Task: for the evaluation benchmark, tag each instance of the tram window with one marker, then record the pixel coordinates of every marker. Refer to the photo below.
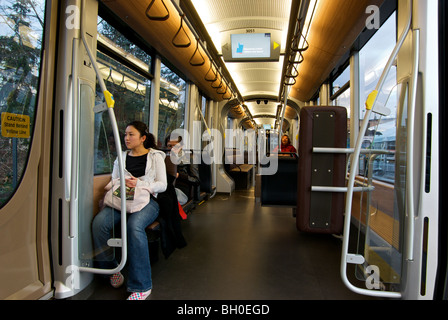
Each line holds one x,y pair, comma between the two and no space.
131,91
341,88
341,80
171,103
21,39
381,130
138,56
204,113
204,106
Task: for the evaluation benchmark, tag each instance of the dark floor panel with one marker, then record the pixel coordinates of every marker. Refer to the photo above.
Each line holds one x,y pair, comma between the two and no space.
238,250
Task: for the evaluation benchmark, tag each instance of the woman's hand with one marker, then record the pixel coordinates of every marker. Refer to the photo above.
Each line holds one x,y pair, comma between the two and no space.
131,182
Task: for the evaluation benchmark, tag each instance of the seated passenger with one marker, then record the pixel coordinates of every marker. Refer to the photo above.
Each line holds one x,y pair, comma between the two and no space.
286,145
171,236
147,166
187,172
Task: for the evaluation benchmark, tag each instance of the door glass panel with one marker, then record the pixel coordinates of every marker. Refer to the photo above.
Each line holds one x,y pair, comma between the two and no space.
85,176
21,38
380,218
378,215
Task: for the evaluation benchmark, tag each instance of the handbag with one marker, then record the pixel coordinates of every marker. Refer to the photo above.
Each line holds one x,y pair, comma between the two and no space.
136,198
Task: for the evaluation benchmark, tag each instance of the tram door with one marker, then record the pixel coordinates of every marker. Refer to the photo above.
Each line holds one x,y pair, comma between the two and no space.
393,239
25,72
73,144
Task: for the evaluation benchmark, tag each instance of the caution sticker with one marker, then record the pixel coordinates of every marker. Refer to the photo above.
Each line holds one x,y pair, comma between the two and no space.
15,125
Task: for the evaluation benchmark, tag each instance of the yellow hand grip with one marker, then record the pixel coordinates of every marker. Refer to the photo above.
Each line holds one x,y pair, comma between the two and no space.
109,99
371,99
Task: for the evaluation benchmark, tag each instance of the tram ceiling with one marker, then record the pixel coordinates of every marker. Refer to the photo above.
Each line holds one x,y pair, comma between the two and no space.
165,25
334,27
254,78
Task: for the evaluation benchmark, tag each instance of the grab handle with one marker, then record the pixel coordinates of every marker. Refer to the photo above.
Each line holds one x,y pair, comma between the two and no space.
73,189
409,236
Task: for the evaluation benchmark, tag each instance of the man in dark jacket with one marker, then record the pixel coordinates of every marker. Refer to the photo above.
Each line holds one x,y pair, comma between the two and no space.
170,220
187,171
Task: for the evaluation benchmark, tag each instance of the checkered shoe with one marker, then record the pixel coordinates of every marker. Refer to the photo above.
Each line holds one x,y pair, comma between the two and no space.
116,280
139,295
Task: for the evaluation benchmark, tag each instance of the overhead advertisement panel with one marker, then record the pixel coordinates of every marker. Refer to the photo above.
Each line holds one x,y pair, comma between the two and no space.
249,45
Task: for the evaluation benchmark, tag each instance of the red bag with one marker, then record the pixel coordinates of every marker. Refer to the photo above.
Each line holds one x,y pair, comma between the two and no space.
182,212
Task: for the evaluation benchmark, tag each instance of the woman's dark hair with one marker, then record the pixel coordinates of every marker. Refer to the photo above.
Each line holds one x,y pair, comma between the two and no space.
141,127
168,139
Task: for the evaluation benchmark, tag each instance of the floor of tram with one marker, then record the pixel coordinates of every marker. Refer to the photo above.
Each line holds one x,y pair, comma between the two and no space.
238,250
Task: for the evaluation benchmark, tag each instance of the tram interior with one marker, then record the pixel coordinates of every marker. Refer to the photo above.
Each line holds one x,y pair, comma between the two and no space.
242,236
232,78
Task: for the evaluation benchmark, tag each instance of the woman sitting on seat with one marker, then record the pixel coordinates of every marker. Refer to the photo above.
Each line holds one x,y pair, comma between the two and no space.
286,146
147,167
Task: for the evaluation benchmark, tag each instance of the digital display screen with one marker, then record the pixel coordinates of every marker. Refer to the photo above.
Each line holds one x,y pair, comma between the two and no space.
251,45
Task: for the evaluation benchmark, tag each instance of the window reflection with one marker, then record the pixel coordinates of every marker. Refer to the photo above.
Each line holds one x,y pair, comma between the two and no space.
171,103
130,89
109,34
343,99
381,130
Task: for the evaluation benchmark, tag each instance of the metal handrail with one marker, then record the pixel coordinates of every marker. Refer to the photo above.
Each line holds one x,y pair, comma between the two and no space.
109,101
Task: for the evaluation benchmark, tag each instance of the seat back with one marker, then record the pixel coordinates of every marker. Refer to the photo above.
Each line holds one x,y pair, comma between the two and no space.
205,175
171,168
280,189
325,127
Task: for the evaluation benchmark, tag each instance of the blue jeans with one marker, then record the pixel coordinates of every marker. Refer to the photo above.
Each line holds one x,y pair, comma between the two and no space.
139,267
